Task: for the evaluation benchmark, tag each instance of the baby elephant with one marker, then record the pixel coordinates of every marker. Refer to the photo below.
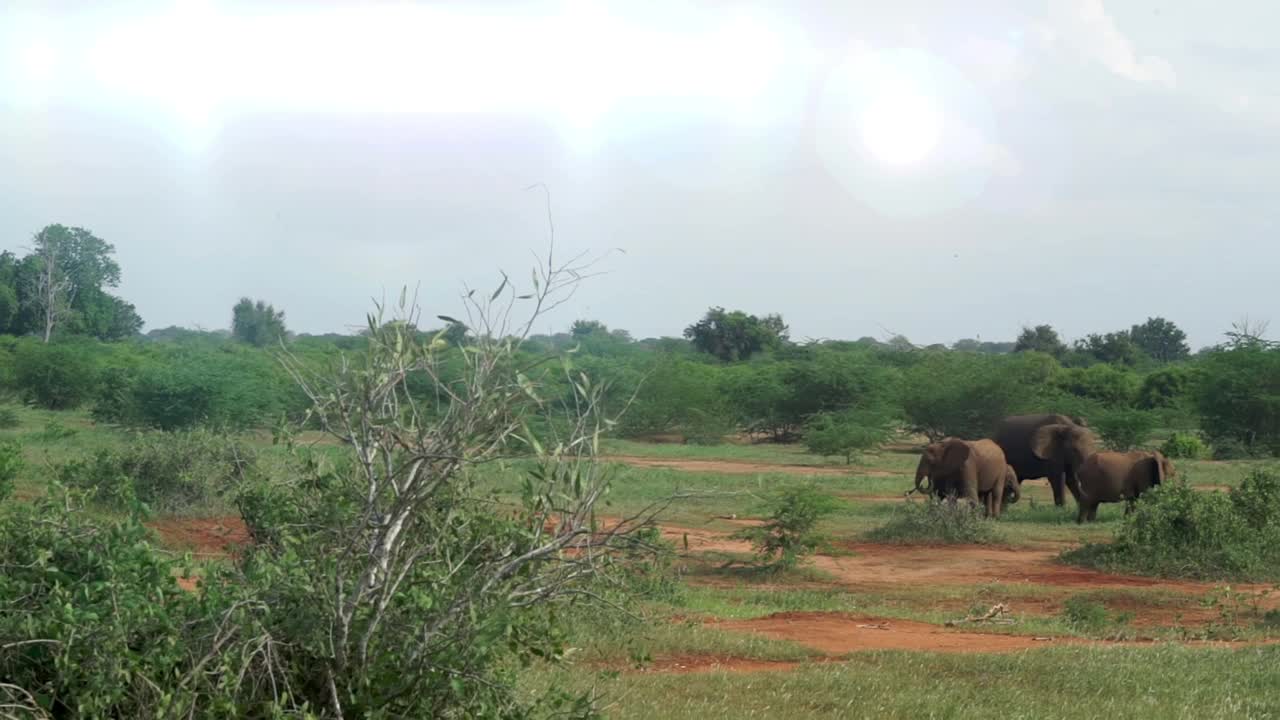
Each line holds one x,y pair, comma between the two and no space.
971,469
1116,476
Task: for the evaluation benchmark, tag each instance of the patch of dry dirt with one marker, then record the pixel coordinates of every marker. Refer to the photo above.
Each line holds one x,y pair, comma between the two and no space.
839,633
204,537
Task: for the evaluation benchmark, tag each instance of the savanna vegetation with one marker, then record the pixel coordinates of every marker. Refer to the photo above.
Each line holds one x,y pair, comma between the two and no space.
432,523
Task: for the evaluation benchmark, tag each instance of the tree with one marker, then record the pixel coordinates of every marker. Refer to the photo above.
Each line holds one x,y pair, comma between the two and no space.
61,286
583,328
736,335
1161,339
1041,338
846,433
258,324
1116,348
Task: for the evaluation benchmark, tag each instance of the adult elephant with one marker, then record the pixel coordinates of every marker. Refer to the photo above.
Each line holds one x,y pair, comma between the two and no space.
1104,476
1014,435
975,470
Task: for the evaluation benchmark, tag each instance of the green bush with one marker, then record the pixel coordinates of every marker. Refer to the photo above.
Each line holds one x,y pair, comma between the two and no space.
1164,388
166,471
679,396
229,388
1237,394
789,535
1184,446
936,521
1107,385
1123,430
9,418
99,625
966,395
57,376
847,433
11,464
1179,532
54,431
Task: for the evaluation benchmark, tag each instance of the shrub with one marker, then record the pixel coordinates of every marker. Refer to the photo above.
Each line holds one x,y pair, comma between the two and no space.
54,431
11,464
846,433
790,534
966,395
232,389
1184,446
1166,387
1124,429
166,471
679,396
1107,385
936,521
1083,613
96,615
1237,394
1176,531
9,418
57,376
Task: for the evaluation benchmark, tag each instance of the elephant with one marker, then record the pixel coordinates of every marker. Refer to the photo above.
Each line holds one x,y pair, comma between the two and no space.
1106,476
970,469
1014,435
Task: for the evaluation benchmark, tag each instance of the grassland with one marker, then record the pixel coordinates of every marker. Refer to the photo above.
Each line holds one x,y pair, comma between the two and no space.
718,640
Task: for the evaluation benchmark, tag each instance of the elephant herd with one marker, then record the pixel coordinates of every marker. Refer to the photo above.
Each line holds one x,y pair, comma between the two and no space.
1060,448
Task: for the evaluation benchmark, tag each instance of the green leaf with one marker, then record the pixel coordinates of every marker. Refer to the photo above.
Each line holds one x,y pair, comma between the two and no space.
448,319
501,287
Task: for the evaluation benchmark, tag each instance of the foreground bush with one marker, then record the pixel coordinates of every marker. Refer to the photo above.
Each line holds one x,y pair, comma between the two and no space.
1179,532
170,472
936,521
790,533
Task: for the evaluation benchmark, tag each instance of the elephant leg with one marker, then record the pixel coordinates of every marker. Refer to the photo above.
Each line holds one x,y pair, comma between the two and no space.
1055,484
1093,512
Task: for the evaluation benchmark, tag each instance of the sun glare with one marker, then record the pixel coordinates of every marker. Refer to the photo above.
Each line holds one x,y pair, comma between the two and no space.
900,128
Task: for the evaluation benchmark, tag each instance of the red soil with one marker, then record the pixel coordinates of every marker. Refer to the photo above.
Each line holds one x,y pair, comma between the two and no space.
204,537
840,633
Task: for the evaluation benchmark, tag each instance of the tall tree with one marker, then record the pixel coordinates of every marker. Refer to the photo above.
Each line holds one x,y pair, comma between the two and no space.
1161,339
62,282
736,335
1041,338
258,324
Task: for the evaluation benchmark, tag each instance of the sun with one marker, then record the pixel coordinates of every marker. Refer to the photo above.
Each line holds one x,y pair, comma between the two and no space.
900,128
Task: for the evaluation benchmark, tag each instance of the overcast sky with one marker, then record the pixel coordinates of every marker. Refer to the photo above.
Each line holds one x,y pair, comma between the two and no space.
936,169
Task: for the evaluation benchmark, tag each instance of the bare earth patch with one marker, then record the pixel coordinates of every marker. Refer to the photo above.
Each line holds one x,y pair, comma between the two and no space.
839,633
204,537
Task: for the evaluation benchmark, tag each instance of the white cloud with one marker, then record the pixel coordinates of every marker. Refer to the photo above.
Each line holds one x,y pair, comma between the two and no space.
1085,28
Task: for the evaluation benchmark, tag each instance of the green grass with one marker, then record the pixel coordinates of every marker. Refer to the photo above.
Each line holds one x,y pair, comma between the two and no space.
1053,682
1122,682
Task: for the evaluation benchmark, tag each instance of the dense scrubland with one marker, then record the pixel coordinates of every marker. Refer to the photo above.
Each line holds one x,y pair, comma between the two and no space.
436,517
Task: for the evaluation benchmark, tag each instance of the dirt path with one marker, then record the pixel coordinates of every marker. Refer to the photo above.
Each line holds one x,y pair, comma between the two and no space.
839,633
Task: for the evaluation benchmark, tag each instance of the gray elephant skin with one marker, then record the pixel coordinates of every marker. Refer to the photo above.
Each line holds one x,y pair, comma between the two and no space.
1014,436
1104,477
975,470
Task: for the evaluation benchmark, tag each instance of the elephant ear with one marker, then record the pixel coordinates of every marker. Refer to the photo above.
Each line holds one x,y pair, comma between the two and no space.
954,454
1146,473
1046,443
